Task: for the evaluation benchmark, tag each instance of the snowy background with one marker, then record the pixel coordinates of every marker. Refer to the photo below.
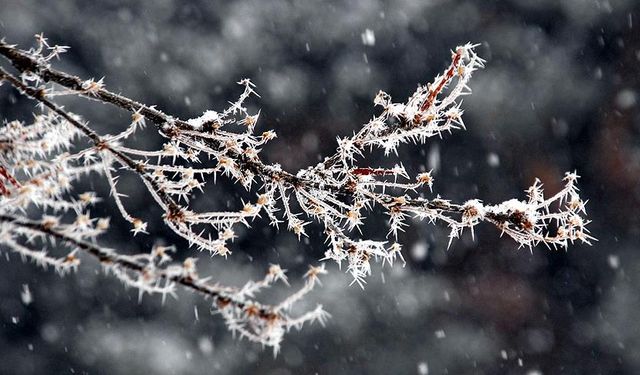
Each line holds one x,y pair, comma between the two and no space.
560,92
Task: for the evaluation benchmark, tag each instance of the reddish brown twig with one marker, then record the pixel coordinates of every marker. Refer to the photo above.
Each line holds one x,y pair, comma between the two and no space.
372,172
8,177
433,92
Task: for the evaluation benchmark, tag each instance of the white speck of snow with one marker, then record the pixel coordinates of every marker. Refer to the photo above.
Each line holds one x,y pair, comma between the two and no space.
534,372
614,261
598,73
560,127
26,295
205,345
15,319
433,159
493,160
440,334
50,333
503,354
368,37
447,296
419,251
626,99
423,368
408,304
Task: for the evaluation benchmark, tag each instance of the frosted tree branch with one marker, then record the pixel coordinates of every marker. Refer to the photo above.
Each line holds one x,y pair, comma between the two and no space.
41,162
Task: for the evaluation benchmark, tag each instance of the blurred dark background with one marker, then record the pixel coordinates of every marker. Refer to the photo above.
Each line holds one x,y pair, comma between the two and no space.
560,93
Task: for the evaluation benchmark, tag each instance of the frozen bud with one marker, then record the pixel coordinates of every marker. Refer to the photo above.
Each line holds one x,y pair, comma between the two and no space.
159,251
92,87
191,154
298,229
137,118
576,221
221,249
396,110
252,310
570,177
85,197
188,173
193,183
382,99
313,272
268,135
50,222
428,117
25,190
425,179
376,125
249,209
473,211
400,201
83,221
71,260
353,215
353,218
88,197
103,223
51,190
454,113
246,82
263,199
400,171
316,208
395,250
225,162
170,149
561,233
575,203
227,234
63,182
297,226
139,226
535,192
250,152
277,273
250,121
231,144
582,236
189,266
147,276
